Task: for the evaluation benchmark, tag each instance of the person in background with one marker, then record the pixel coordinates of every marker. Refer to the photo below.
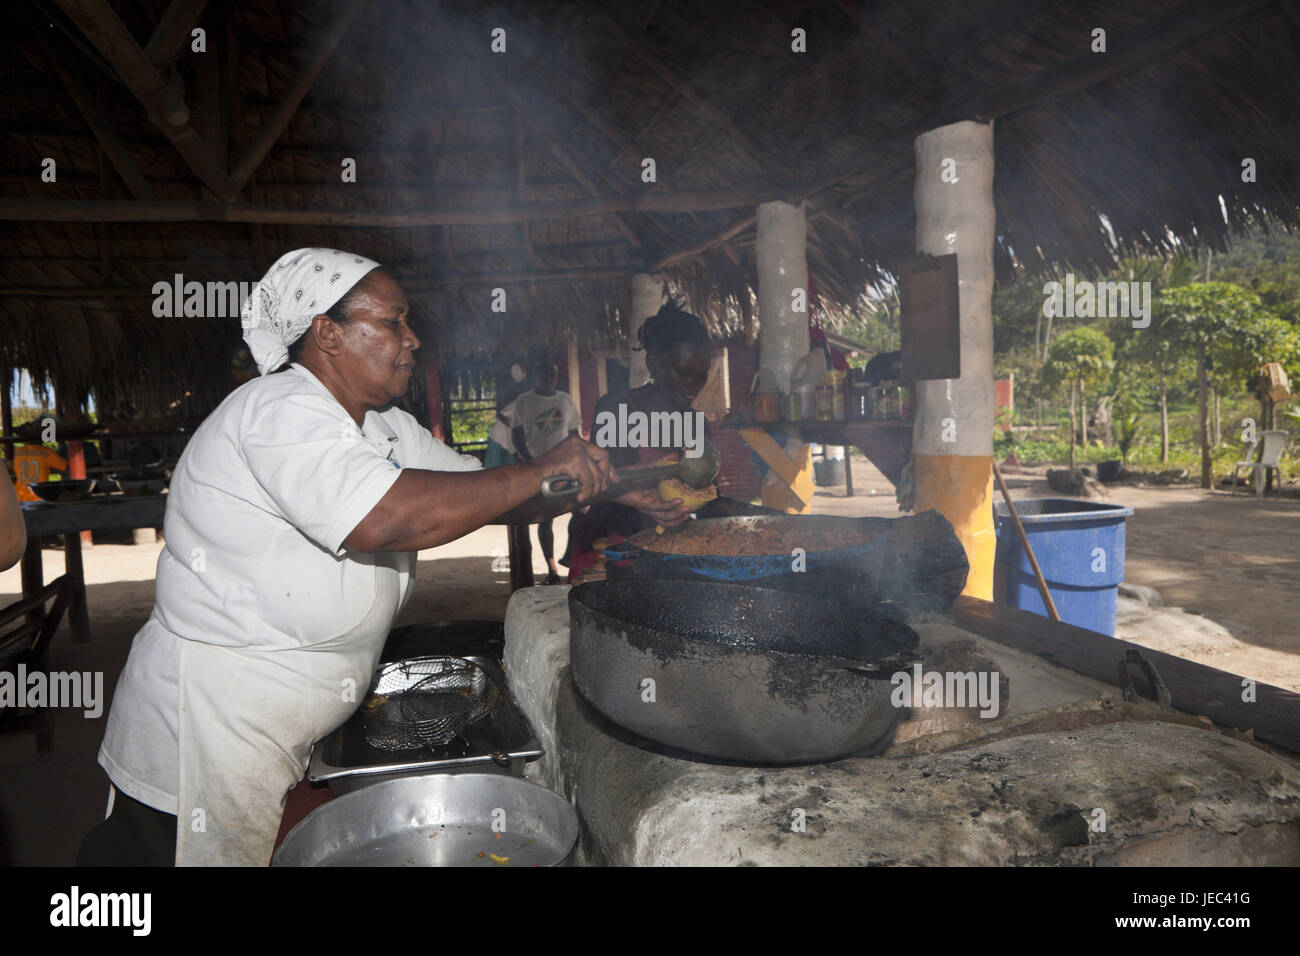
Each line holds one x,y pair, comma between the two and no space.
500,446
677,356
541,420
32,464
13,531
89,449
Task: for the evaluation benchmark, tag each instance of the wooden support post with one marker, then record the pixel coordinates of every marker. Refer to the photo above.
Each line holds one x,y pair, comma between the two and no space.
521,557
77,472
33,576
78,617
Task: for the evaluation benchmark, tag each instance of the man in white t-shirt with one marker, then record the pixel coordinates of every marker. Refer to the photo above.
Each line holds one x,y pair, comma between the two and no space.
292,526
540,420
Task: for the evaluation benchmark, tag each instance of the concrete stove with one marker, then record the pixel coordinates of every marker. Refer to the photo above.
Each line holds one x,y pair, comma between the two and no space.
1134,792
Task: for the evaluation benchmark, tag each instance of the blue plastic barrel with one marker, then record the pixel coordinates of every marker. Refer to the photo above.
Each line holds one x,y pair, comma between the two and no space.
1080,549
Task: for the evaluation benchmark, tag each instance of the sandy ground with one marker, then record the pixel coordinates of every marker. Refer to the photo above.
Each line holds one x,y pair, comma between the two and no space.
1232,561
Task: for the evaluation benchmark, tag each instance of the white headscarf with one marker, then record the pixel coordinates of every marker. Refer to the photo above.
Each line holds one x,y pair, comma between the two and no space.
298,287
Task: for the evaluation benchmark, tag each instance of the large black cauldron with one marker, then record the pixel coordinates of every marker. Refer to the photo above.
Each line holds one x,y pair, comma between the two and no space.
739,672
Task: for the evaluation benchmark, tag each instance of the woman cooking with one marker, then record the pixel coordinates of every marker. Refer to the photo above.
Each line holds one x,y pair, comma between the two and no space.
292,524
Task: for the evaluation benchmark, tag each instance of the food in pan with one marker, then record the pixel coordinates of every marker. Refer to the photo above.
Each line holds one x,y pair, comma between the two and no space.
755,541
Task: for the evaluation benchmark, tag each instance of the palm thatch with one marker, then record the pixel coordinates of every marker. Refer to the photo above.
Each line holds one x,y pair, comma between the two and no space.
1152,135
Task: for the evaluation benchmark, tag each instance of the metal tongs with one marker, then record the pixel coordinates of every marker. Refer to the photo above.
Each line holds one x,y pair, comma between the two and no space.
695,472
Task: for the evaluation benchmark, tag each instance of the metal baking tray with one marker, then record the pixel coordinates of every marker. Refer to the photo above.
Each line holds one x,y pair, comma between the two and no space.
346,762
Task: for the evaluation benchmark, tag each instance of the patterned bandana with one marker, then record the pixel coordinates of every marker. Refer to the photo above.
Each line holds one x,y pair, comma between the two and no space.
300,286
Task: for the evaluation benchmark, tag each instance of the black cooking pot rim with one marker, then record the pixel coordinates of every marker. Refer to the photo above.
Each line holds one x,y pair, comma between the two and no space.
754,618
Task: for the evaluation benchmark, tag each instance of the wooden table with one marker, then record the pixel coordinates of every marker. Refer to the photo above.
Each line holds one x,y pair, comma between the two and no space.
887,444
68,521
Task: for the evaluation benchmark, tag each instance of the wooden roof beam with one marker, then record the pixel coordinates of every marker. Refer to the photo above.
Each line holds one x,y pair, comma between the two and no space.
88,105
279,119
109,35
411,283
173,32
91,210
561,154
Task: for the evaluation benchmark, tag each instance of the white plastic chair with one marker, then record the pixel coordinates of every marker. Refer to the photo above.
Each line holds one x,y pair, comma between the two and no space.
1274,442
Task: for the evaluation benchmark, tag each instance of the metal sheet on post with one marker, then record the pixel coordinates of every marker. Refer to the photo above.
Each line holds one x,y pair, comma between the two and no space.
931,323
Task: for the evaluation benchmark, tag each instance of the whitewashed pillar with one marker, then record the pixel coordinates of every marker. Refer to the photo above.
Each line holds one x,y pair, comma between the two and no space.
952,440
646,298
782,270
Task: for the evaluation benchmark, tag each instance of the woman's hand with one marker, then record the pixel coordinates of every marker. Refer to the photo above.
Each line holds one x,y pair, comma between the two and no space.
579,459
647,501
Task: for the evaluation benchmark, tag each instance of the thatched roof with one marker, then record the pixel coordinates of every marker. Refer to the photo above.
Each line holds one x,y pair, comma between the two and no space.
522,169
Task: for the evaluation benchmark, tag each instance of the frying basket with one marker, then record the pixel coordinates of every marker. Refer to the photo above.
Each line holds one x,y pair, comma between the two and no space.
426,702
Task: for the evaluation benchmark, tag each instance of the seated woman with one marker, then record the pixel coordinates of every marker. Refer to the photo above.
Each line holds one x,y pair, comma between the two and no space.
676,347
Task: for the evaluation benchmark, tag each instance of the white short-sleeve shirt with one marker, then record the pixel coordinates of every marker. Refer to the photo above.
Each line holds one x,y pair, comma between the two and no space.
545,419
259,506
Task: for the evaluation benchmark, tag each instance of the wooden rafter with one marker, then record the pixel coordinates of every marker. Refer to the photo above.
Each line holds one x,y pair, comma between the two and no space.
1292,10
109,35
88,106
669,76
558,89
212,106
1181,27
173,32
565,158
884,41
283,113
411,283
73,210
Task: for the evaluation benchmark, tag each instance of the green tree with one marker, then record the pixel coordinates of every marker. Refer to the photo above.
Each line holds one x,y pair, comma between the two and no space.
1078,356
1215,322
1151,356
875,322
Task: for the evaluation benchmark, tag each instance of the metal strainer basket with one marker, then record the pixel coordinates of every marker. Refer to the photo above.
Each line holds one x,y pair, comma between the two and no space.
426,702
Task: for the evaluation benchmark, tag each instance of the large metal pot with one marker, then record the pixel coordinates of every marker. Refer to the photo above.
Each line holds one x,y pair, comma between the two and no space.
439,820
737,672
